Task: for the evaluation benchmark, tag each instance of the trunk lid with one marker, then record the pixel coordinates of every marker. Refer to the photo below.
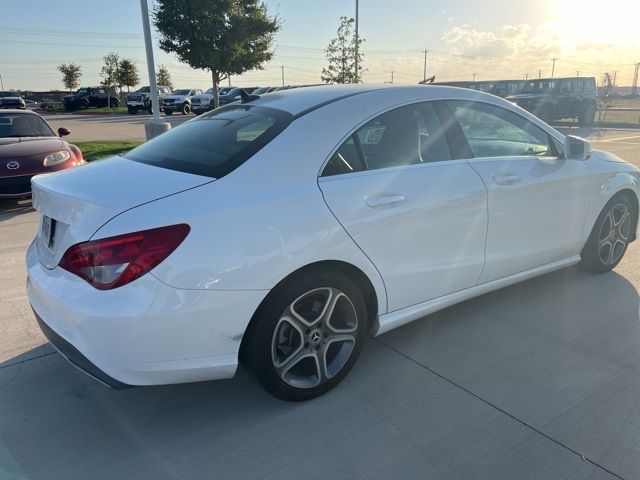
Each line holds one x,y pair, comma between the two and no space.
81,200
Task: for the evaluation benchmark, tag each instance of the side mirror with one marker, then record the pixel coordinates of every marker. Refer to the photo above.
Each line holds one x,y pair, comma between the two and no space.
577,148
62,131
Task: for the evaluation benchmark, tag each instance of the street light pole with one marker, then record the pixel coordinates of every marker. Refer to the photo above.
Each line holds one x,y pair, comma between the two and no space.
155,126
356,62
282,68
424,72
1,83
553,66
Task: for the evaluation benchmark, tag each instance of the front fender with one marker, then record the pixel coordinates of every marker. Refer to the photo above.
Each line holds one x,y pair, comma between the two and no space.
610,176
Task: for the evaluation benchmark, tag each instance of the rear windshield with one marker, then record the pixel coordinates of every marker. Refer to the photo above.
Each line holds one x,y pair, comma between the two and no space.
215,143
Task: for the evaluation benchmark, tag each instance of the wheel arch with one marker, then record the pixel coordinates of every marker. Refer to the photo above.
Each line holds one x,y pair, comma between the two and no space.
635,204
361,279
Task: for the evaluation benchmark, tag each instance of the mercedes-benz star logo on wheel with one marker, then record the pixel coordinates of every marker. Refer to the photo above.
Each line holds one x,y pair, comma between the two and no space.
13,165
315,336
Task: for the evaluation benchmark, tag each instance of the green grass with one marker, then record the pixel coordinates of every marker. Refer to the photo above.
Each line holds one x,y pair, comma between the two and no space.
91,111
101,149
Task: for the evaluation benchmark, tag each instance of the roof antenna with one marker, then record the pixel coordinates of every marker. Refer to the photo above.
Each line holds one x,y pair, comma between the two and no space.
246,98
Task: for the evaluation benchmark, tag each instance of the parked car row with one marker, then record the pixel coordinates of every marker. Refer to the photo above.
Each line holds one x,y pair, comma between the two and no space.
550,99
192,100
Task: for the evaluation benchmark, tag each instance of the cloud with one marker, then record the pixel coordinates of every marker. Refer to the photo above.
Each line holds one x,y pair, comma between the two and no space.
511,41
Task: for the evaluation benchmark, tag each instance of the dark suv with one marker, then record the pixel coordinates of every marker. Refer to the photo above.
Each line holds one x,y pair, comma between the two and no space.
553,99
11,100
86,97
141,98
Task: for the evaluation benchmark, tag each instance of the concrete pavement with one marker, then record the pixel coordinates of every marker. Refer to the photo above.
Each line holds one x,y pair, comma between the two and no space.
536,381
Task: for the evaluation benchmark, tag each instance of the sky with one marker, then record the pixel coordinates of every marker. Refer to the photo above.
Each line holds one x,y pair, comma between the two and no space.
488,39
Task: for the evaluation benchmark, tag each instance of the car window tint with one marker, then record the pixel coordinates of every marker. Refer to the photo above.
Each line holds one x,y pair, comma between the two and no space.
215,143
346,160
403,136
496,132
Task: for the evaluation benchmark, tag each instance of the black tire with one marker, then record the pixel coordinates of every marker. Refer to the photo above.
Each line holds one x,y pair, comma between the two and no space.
113,103
186,109
132,110
259,349
587,116
168,112
597,256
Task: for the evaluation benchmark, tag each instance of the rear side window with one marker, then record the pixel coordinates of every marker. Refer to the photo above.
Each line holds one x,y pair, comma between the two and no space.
404,136
216,143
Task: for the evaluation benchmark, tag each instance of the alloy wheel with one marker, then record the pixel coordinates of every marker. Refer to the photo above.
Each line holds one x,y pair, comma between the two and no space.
314,337
614,234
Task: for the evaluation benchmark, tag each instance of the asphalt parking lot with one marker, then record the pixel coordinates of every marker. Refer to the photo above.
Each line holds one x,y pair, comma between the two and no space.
107,127
540,380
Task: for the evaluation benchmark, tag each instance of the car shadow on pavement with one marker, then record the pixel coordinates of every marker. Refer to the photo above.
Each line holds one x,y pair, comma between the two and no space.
392,412
13,208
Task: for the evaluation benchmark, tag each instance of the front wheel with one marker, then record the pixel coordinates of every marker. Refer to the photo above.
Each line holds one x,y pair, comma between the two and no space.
186,109
113,103
307,335
610,236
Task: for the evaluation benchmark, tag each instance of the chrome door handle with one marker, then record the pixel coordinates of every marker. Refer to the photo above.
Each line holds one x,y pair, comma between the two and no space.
383,200
506,179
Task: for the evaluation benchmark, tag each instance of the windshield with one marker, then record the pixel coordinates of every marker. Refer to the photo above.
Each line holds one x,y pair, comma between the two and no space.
182,92
216,143
261,90
82,91
9,94
209,91
225,90
24,125
144,90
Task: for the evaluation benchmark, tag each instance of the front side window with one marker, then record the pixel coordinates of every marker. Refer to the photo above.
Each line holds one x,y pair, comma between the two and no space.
404,136
496,132
216,143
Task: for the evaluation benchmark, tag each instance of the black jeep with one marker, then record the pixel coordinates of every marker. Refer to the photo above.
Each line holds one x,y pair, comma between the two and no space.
86,97
553,99
141,99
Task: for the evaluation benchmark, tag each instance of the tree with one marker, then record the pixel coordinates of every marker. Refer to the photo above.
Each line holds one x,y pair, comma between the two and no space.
110,71
225,37
341,55
128,73
71,74
163,77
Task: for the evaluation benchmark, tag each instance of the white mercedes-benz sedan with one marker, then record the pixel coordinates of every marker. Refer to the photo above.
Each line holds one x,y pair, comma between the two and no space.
278,232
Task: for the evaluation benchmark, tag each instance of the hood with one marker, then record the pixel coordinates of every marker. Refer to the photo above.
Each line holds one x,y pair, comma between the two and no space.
176,97
205,96
22,147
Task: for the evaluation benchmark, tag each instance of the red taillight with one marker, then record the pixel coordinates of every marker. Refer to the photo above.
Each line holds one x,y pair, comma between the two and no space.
115,261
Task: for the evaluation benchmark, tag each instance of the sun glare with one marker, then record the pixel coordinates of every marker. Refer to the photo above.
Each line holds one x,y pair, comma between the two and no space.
613,21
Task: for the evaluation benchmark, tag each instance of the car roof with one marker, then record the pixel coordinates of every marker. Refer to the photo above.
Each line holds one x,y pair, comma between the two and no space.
299,101
18,110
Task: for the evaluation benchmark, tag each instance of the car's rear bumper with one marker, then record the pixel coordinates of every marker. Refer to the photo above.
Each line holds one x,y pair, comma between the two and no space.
73,355
144,333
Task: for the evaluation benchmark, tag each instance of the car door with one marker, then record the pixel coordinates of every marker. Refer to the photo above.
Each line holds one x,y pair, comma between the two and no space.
416,212
564,106
537,200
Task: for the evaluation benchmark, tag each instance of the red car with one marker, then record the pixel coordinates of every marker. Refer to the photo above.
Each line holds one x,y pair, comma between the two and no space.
29,146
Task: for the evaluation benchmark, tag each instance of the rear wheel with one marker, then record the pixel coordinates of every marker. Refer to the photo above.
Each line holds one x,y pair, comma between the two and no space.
113,103
307,335
587,116
186,109
610,236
